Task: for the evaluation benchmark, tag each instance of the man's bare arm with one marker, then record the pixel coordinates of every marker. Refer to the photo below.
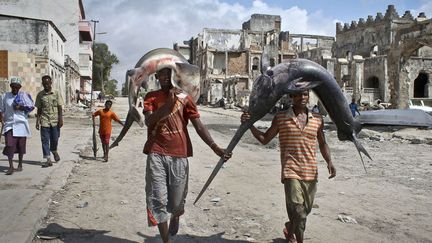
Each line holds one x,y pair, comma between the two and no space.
325,151
262,137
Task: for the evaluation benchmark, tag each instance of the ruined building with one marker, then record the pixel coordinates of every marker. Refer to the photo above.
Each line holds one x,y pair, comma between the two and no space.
387,57
230,60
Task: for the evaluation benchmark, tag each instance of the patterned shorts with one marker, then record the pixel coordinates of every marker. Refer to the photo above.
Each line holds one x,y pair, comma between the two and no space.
166,187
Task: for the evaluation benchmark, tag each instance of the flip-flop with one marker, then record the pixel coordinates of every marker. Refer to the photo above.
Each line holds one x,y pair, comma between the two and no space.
173,226
289,238
9,172
18,169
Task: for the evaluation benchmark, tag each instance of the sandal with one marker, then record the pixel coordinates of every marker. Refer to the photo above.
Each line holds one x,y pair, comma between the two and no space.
46,164
9,172
173,226
289,237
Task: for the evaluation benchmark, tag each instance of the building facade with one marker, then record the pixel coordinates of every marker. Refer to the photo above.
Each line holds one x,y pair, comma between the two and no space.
31,48
69,17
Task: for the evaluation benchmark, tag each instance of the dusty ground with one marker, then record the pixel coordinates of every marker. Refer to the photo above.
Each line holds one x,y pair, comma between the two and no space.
105,202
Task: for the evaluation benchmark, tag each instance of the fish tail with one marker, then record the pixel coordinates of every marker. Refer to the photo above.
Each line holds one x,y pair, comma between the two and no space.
361,149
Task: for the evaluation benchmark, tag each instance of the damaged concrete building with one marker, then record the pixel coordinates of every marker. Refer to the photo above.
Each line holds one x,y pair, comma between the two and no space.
230,60
387,57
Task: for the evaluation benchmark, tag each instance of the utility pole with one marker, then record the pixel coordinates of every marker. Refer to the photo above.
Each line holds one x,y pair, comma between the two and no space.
93,61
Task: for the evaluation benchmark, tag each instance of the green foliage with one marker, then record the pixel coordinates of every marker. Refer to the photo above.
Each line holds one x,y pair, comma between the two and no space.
111,87
125,89
103,61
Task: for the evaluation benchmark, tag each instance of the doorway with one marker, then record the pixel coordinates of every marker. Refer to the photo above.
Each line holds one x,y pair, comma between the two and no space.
420,86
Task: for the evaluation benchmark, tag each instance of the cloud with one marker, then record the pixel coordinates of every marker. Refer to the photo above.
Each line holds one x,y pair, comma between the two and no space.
135,27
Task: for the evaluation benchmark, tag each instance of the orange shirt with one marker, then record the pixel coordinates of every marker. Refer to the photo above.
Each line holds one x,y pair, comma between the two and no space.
105,120
298,146
170,136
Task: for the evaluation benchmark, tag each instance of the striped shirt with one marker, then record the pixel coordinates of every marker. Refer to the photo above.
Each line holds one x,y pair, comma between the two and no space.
298,146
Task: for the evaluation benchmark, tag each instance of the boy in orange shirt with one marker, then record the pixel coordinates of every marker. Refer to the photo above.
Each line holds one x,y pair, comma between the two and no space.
106,115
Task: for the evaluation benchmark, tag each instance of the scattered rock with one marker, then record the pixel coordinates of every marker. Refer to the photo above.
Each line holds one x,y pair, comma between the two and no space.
216,199
82,205
347,219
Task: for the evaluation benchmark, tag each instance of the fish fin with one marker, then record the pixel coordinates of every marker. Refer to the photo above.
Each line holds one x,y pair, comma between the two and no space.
137,116
300,84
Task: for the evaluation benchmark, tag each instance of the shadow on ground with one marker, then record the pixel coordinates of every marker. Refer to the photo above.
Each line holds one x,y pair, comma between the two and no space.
74,235
216,238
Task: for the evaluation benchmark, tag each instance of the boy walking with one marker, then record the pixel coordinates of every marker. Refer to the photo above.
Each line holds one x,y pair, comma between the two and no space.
105,127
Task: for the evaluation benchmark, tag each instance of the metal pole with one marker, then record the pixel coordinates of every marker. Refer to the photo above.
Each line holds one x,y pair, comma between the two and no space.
91,95
93,61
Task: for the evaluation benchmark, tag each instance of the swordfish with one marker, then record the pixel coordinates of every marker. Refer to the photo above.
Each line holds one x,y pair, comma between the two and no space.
186,79
293,76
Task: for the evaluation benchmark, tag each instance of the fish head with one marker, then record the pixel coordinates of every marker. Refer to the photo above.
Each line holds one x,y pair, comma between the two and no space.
262,97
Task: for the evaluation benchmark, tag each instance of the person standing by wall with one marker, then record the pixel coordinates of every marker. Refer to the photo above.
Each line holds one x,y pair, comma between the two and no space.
14,109
49,120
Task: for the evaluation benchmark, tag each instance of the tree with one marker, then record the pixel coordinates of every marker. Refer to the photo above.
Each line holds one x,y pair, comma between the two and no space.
111,87
103,60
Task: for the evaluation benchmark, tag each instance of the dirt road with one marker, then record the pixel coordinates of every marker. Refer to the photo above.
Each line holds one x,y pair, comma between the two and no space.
105,202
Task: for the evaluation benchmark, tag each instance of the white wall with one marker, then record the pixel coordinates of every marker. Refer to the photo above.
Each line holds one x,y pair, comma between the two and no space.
56,46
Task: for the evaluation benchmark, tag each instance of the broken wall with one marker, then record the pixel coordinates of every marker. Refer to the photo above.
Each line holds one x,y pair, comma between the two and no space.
24,35
222,40
238,63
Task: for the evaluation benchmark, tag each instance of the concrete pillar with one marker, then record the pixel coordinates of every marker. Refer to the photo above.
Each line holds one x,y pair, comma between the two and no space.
329,64
341,70
357,76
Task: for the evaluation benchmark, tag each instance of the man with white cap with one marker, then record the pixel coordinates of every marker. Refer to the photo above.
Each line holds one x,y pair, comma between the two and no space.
14,109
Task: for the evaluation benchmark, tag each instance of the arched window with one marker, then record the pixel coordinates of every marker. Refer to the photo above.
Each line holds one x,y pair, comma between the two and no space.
420,86
255,63
374,51
371,82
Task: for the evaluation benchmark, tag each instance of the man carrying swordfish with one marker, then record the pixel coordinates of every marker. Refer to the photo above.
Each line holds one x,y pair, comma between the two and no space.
167,112
299,130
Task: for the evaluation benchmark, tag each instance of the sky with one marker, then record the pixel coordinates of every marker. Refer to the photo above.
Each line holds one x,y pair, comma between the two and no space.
134,27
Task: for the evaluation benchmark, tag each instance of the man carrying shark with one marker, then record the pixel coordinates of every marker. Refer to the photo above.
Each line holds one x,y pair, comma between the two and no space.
167,112
299,130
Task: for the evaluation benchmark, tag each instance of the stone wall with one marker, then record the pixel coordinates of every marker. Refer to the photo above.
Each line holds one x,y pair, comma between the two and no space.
414,67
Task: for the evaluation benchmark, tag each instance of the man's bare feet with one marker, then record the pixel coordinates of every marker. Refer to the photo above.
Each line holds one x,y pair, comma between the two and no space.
19,168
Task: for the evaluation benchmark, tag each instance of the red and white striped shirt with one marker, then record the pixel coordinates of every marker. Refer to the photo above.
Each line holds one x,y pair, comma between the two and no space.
298,146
